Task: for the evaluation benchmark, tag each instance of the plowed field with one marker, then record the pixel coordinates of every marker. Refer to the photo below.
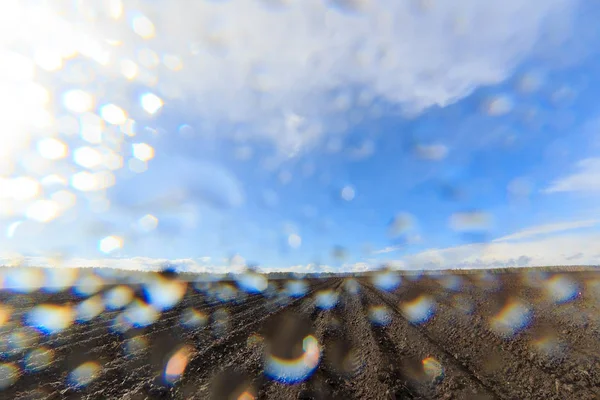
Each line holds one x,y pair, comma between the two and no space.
484,335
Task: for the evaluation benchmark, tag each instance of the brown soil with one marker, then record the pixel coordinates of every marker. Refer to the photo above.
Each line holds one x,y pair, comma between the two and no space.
510,335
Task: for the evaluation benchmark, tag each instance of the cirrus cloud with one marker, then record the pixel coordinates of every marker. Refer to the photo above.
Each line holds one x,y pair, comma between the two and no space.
586,178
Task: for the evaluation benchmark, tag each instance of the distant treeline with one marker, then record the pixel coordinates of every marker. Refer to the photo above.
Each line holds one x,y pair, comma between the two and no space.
135,275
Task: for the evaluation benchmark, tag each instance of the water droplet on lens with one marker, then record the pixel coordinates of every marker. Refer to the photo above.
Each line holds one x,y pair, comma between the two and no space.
9,374
177,363
380,315
342,357
326,299
292,352
232,384
84,374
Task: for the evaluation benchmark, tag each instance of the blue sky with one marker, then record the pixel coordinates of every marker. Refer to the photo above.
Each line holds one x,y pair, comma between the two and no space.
335,139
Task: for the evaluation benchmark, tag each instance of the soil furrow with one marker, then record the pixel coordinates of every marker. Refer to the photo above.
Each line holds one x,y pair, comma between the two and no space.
120,368
544,344
320,321
412,342
486,355
479,335
367,381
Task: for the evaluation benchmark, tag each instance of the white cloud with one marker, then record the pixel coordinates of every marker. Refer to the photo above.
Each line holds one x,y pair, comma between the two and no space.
300,268
568,249
275,71
389,249
407,240
131,263
549,228
192,265
358,267
260,62
295,54
586,178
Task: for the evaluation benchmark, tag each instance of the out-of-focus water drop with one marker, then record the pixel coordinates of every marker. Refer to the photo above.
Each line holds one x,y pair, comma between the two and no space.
50,318
139,314
164,293
52,149
151,103
352,286
380,315
347,193
110,244
143,26
134,346
511,319
252,282
433,369
561,289
419,310
294,240
499,106
547,344
24,280
9,374
118,297
296,288
292,352
232,384
89,309
177,364
192,318
148,223
225,292
84,374
386,280
78,101
5,313
21,338
113,114
39,359
326,299
87,157
143,151
43,211
343,357
88,284
59,279
221,322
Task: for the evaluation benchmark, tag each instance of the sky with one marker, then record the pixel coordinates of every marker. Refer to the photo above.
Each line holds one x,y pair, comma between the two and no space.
310,136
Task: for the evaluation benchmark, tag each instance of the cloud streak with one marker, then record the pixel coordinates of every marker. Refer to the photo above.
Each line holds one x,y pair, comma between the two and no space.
549,228
389,249
586,178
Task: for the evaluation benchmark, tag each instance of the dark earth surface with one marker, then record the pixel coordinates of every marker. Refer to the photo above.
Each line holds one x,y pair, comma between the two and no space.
526,334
